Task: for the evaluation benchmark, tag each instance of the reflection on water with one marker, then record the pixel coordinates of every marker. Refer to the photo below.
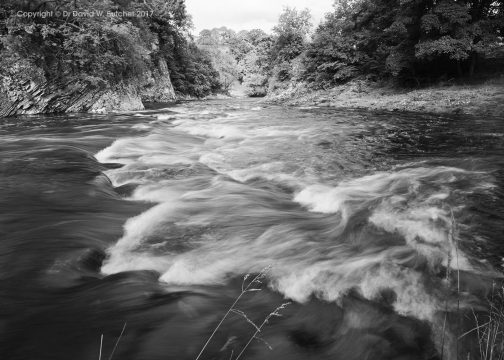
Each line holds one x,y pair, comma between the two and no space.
382,228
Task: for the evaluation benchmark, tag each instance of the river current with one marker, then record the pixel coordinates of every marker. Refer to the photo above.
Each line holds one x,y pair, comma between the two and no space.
129,236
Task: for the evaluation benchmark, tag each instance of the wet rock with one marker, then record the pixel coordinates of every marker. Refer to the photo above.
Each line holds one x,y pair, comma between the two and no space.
91,259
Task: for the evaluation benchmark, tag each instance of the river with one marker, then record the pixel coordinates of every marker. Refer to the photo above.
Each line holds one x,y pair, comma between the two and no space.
375,235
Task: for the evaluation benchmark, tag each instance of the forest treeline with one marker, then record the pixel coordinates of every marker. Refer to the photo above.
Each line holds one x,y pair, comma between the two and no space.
411,42
407,42
104,50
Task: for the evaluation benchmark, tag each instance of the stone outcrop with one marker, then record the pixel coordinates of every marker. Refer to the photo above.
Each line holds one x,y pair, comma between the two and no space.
120,98
25,90
158,86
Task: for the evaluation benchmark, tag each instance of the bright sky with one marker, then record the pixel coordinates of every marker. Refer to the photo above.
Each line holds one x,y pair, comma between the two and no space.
248,14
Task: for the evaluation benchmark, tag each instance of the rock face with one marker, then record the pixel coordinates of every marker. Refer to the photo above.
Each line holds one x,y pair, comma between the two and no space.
158,87
25,90
120,98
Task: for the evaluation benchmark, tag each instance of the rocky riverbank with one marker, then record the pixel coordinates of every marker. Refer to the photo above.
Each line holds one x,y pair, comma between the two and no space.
482,99
24,89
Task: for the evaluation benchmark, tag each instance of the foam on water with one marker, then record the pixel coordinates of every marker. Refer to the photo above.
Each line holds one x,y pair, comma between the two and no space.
389,231
141,127
227,132
165,116
123,256
274,171
400,204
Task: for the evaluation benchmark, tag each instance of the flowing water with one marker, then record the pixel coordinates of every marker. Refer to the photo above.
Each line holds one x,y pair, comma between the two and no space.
128,236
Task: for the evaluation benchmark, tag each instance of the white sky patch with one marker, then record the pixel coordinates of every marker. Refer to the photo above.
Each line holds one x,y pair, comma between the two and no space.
251,14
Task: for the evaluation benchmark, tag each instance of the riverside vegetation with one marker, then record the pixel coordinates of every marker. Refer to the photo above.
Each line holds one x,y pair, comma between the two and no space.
423,55
365,53
81,63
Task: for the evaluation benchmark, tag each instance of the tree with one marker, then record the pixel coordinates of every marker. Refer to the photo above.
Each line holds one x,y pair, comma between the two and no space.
404,39
355,39
459,31
104,50
291,34
216,43
256,66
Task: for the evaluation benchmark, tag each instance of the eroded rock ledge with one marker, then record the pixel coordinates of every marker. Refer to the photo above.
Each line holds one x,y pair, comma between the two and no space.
25,90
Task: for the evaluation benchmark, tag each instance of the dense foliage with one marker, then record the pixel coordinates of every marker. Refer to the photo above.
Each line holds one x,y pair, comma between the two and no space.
409,40
243,57
215,43
102,48
256,59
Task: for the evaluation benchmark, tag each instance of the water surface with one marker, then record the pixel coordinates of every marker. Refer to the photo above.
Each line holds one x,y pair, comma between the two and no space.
382,230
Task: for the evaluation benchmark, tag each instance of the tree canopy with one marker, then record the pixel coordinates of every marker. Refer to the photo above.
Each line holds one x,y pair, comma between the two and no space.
105,50
404,39
408,41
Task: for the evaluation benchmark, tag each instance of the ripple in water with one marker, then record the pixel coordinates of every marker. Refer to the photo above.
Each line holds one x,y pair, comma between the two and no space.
370,224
